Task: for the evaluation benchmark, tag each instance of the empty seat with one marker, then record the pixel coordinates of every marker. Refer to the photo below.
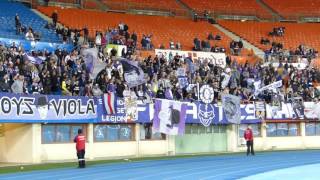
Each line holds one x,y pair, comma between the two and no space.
293,9
229,7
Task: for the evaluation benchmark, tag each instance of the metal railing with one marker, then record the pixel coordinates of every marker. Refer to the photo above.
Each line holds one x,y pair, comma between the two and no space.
146,7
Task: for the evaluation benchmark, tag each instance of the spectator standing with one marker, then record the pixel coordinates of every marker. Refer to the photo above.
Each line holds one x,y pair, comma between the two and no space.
18,23
85,34
29,35
248,136
17,86
80,141
54,17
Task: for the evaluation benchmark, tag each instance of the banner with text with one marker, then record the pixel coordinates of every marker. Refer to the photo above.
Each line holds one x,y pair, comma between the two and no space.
46,109
218,59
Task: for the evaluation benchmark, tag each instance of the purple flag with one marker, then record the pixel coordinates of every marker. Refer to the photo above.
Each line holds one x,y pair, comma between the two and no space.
90,58
169,117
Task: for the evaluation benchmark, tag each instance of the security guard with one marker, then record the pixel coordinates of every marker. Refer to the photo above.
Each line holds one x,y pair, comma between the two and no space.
80,141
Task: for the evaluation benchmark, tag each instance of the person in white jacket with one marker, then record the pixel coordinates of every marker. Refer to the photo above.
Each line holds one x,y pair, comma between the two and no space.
17,86
29,35
98,40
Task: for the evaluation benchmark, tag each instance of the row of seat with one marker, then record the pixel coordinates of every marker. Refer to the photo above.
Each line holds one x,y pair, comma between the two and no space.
229,7
291,9
234,7
163,5
163,29
295,34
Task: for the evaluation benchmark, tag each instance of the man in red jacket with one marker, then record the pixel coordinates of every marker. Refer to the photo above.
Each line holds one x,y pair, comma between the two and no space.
80,141
248,136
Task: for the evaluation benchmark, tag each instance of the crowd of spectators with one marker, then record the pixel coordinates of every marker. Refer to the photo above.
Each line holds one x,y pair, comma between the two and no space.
279,53
59,73
235,79
297,55
65,73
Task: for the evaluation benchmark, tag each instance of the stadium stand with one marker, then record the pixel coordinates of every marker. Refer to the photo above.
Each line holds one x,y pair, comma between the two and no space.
67,1
295,34
28,18
279,97
230,7
162,28
293,9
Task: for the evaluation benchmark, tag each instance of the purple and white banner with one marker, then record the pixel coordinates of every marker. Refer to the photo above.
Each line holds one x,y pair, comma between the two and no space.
47,109
169,117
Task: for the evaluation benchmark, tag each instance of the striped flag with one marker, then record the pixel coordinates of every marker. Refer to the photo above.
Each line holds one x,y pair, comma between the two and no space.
109,101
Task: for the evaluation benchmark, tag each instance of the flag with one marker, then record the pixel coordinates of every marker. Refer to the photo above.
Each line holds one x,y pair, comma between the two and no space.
109,101
33,60
298,107
271,86
90,58
225,80
231,108
133,74
183,82
169,117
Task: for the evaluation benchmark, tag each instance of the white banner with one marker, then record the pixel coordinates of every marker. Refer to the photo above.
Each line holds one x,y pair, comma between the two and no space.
285,111
271,86
299,66
312,110
218,59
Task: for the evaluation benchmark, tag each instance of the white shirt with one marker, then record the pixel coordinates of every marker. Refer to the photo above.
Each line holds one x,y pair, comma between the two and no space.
29,36
98,40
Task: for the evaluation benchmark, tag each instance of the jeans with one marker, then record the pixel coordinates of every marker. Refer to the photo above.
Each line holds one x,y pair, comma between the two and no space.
250,148
81,159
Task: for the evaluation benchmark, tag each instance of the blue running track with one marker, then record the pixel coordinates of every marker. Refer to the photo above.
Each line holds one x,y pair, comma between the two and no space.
264,166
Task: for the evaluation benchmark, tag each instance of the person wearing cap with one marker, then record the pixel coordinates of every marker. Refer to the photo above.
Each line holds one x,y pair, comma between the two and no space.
80,141
248,136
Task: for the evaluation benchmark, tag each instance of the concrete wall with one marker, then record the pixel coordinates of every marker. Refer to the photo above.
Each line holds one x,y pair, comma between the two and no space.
277,143
17,143
201,143
22,144
2,142
106,150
